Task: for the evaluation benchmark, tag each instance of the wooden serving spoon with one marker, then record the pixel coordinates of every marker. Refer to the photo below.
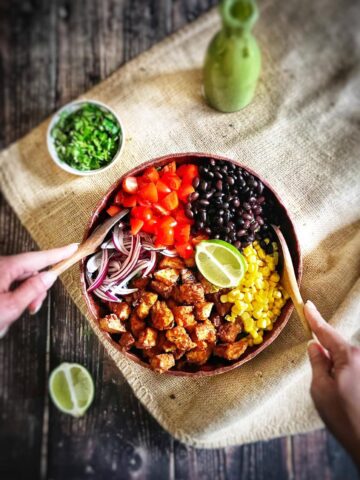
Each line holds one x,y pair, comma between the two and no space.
289,282
90,245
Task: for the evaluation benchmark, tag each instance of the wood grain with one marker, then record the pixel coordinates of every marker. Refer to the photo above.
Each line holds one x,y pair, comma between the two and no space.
50,52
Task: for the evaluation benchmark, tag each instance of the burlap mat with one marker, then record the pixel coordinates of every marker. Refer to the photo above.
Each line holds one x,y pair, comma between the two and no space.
301,133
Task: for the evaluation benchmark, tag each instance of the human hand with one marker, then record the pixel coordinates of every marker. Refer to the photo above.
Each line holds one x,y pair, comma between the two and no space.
30,294
335,387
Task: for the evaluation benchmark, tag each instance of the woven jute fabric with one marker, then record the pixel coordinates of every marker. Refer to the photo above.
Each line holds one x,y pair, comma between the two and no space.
301,132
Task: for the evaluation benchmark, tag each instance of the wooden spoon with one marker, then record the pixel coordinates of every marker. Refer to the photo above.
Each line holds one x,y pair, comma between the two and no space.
289,282
90,245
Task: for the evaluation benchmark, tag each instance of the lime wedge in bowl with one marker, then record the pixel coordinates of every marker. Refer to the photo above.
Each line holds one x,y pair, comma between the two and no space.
71,388
220,263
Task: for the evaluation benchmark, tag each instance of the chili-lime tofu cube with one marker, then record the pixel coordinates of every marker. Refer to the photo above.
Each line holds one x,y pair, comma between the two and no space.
180,337
126,340
178,354
136,324
147,338
163,362
228,332
162,289
203,311
231,351
187,276
140,282
184,317
169,276
161,316
205,331
191,293
200,354
112,324
122,310
190,262
171,262
176,295
147,300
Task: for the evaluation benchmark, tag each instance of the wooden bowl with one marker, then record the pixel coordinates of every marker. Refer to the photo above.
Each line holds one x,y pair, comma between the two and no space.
216,365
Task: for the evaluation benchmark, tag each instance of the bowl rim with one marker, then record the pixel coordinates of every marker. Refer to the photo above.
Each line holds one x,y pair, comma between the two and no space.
51,147
286,310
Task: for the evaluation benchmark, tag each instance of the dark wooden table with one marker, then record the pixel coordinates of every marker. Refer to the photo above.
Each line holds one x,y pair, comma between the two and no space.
52,51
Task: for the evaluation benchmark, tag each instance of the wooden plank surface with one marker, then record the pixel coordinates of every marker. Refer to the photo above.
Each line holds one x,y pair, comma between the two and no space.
50,52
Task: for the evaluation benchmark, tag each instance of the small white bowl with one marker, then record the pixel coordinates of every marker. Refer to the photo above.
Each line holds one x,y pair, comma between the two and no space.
72,107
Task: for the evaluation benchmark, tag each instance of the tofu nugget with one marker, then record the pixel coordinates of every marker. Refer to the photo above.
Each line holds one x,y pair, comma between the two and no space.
161,363
180,338
231,351
147,338
161,316
112,324
169,276
190,262
140,282
147,300
205,331
136,324
164,290
184,317
203,311
122,310
191,293
228,332
200,354
126,340
187,276
171,262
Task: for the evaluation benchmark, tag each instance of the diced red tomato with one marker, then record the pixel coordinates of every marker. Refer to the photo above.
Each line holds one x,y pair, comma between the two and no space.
130,185
167,222
150,226
188,171
182,233
171,201
129,201
144,213
151,175
171,180
180,217
162,188
119,197
170,167
136,225
148,192
185,250
113,210
184,192
198,239
165,234
160,209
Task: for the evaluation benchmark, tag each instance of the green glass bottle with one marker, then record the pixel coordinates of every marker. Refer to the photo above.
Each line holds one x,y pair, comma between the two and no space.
233,59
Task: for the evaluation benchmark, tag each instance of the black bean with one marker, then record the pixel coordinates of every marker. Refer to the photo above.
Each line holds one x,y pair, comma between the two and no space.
259,220
247,224
209,175
252,201
251,238
245,244
246,206
200,225
237,244
204,202
246,216
212,162
240,222
196,182
231,225
208,231
221,211
217,236
219,185
218,194
220,220
189,213
218,175
254,226
261,200
236,202
230,180
260,187
209,194
241,233
203,185
194,196
255,184
202,215
257,210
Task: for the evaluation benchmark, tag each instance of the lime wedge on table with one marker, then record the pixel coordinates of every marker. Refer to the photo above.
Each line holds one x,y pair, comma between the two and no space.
220,262
71,388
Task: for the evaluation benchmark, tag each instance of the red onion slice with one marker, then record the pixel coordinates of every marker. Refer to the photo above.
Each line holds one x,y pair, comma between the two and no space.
102,271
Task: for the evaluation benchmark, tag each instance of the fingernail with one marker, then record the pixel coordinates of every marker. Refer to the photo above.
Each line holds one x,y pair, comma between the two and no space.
312,348
310,305
36,309
3,331
48,278
74,246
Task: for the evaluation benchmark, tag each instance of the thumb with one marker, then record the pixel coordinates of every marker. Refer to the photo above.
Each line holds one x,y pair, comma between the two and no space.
19,299
320,362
